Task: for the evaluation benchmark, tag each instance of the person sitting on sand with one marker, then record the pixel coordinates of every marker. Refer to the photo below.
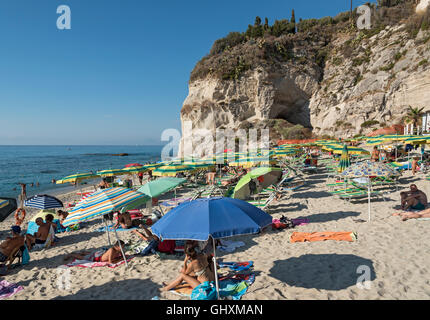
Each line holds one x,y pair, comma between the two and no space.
50,220
195,271
41,235
11,243
414,199
103,184
112,255
124,220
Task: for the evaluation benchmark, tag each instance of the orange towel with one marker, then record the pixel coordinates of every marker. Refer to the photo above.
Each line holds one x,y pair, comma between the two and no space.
321,236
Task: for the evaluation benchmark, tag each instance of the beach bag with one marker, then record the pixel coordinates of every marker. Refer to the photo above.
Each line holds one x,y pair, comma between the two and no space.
25,256
166,246
204,291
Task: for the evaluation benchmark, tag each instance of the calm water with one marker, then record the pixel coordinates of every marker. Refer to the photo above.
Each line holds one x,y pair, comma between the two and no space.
31,164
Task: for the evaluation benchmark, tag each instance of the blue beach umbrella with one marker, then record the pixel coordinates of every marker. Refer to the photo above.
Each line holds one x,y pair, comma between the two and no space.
216,217
43,201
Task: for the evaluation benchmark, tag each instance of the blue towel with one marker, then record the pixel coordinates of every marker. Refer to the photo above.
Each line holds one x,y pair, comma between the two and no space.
236,266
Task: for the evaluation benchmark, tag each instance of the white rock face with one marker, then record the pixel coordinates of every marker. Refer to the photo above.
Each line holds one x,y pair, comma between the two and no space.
397,75
367,90
422,6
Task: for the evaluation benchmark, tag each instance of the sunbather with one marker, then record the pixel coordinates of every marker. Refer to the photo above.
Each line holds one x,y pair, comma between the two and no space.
11,243
40,236
405,215
414,199
112,255
195,271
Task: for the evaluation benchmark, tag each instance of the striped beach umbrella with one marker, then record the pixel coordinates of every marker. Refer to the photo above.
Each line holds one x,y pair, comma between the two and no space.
344,160
103,202
152,166
3,203
171,170
132,170
43,201
77,177
111,172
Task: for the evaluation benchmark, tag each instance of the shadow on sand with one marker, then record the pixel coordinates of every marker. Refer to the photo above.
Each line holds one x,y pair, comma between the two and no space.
323,271
132,289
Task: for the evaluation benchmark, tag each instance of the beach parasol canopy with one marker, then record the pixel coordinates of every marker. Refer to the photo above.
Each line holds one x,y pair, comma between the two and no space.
133,165
103,202
344,159
171,170
111,172
3,203
155,188
43,201
268,176
369,169
77,177
211,217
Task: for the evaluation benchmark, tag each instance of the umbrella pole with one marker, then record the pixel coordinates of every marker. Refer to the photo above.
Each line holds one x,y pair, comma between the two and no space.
123,254
107,230
215,270
368,197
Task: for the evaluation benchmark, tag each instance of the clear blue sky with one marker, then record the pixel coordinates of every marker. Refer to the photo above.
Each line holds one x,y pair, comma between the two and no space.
120,75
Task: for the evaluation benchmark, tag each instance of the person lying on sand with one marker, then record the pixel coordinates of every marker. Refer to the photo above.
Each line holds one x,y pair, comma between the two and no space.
413,215
195,271
40,236
146,234
10,243
113,255
414,199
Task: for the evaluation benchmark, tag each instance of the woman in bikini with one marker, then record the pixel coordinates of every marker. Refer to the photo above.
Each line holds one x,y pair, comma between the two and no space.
196,270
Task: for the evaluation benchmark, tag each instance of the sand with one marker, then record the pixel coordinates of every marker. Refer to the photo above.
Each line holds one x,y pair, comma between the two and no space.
394,252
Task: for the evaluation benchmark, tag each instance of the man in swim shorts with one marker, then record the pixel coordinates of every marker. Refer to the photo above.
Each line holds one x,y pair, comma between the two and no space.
41,235
414,199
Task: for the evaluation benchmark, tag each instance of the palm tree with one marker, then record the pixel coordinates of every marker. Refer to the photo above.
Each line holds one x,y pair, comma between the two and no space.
414,116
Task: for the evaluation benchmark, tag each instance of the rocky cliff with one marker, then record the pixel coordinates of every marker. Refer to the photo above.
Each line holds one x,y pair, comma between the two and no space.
326,79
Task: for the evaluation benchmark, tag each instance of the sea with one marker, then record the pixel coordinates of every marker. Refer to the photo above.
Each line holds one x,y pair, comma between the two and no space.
41,164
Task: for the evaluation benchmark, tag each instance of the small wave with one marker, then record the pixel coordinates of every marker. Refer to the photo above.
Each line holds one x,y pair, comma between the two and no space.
49,171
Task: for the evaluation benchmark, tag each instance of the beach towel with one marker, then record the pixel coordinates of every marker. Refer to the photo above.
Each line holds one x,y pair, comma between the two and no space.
322,236
8,289
230,287
300,221
93,264
236,266
204,291
229,245
142,247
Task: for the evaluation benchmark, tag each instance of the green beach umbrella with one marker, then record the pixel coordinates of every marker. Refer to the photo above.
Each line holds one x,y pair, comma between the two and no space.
344,159
155,188
171,170
77,177
268,176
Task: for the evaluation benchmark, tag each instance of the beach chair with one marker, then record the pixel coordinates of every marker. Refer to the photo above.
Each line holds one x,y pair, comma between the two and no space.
358,194
15,254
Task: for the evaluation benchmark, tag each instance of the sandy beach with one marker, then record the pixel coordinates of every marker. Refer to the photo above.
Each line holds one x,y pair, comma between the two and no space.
394,252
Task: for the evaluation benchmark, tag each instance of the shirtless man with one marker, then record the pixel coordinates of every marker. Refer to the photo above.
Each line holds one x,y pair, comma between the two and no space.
8,245
414,199
124,219
41,235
